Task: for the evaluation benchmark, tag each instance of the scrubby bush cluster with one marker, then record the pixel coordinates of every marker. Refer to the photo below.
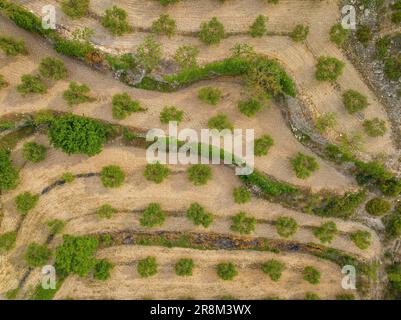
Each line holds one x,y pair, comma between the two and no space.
77,94
156,172
326,121
362,239
211,32
312,275
262,145
124,106
106,211
354,101
171,114
147,267
3,82
7,241
220,122
152,216
326,232
375,127
102,269
250,107
300,33
199,174
364,34
164,25
52,68
241,195
286,226
8,173
338,34
75,8
329,69
258,28
12,47
115,20
227,271
274,269
186,56
304,165
184,267
25,202
112,176
378,206
210,95
34,152
36,255
31,84
243,224
199,216
55,226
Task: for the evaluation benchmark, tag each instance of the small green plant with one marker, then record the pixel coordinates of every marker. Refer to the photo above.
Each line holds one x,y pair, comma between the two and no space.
112,176
241,195
149,54
311,296
250,107
152,216
377,206
383,47
329,69
198,215
392,67
106,211
102,269
77,94
258,28
12,47
211,32
8,173
75,8
12,294
312,275
3,82
354,101
300,33
164,25
52,68
184,267
243,224
147,267
362,239
227,271
326,232
199,174
304,165
210,95
67,177
31,85
338,34
220,122
375,127
36,255
186,56
55,226
128,135
156,172
286,226
7,241
274,269
262,145
124,106
364,34
115,20
326,121
25,202
34,152
171,114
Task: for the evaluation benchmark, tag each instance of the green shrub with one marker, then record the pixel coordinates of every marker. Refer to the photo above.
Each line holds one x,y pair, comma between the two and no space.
243,224
396,17
171,114
3,82
258,28
43,117
25,202
77,94
12,294
73,48
210,95
31,85
75,8
186,56
164,25
273,268
328,120
198,215
52,68
354,101
383,47
364,34
106,240
156,172
12,47
34,152
392,67
241,195
300,33
112,176
393,225
129,136
262,145
106,211
312,275
102,269
147,267
250,107
345,296
67,177
36,255
304,165
55,226
329,68
76,135
7,241
375,127
220,122
184,267
199,174
226,271
286,226
377,206
115,19
326,232
152,216
8,173
338,34
311,296
362,239
124,106
394,278
211,32
149,54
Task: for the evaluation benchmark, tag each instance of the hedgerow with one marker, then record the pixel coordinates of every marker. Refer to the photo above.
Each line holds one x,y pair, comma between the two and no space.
8,173
273,268
286,226
198,215
112,176
152,216
326,232
199,174
312,275
227,271
156,172
25,202
147,267
36,255
184,267
34,152
242,223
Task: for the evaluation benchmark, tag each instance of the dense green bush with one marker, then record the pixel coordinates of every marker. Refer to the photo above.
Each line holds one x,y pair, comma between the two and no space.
250,107
220,122
152,216
210,95
77,94
364,34
156,172
300,33
243,224
312,275
106,211
338,34
76,135
34,152
184,267
7,241
258,28
25,202
211,32
262,145
241,195
274,269
124,106
147,267
354,101
102,269
8,173
36,255
75,8
12,47
377,206
362,239
31,85
164,25
327,120
326,232
198,215
171,114
53,68
304,165
329,68
286,226
226,271
186,56
199,174
55,226
149,54
392,67
115,19
375,127
112,176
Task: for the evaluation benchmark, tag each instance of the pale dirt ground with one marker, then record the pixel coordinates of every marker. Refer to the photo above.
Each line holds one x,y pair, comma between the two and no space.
250,283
